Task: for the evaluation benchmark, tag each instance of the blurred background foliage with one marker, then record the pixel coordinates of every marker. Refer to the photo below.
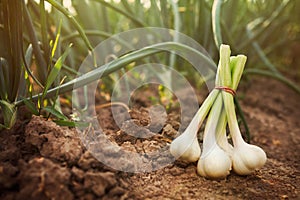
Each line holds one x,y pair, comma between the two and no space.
35,34
268,32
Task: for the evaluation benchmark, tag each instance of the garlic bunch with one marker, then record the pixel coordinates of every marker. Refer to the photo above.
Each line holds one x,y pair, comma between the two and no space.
219,156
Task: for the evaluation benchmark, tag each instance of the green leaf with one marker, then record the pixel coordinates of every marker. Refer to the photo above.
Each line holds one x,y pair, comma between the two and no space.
216,24
278,77
56,39
71,123
2,127
31,106
3,78
9,112
119,63
55,112
135,20
43,23
55,70
28,55
28,62
42,69
65,123
78,27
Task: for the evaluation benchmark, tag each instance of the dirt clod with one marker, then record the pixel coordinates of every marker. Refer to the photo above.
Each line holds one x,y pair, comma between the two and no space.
43,179
99,182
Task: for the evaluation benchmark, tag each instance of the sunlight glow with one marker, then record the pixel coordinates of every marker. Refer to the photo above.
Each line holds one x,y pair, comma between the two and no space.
48,6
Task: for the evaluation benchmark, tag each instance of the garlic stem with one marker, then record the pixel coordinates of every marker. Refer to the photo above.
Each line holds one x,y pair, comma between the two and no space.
237,64
201,114
209,137
221,136
214,161
224,66
232,120
225,72
186,145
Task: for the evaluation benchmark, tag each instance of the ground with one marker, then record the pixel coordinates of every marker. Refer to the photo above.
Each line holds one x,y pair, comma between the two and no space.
40,160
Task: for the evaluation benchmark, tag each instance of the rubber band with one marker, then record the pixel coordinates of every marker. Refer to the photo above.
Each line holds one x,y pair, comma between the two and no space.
226,89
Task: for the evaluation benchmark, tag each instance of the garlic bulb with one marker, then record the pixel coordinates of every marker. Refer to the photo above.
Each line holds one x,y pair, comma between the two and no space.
185,148
215,165
246,158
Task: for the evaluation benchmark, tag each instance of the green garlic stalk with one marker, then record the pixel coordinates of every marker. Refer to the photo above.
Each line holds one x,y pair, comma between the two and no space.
186,146
221,136
237,64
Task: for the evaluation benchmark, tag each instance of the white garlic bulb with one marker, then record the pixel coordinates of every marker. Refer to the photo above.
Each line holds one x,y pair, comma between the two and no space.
246,158
216,164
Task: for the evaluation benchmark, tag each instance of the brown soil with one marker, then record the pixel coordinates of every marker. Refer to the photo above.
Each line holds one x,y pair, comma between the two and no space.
40,160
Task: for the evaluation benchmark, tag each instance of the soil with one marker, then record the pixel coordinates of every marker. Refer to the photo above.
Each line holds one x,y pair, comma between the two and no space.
40,160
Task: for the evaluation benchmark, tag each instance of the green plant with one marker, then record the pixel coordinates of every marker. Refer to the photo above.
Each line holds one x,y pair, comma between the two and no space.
10,58
16,68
